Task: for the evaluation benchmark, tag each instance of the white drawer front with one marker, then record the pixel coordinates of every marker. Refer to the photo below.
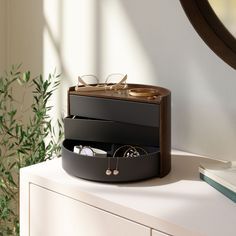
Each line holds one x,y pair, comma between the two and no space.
53,214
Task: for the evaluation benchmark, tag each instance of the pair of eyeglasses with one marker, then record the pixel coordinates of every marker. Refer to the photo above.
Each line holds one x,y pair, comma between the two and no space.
90,83
89,151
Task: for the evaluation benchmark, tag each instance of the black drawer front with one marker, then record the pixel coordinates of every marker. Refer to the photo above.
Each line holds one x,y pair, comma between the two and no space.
117,110
94,168
110,132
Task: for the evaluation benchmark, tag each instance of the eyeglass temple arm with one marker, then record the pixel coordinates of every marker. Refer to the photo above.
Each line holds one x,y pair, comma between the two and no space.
115,86
123,80
82,81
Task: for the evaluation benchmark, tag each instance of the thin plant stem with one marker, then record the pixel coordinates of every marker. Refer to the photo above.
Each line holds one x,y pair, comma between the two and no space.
22,141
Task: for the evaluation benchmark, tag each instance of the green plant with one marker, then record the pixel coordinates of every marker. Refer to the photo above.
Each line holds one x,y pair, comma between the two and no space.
27,135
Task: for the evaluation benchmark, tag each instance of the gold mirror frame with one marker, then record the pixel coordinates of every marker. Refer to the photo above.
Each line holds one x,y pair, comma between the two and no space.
211,29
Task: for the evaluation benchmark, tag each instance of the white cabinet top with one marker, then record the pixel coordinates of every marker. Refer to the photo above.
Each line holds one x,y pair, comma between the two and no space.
178,204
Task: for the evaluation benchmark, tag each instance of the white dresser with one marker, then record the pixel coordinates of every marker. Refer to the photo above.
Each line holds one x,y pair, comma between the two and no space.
53,203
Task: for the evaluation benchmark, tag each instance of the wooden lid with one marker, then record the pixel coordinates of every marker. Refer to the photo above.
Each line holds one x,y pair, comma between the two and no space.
125,94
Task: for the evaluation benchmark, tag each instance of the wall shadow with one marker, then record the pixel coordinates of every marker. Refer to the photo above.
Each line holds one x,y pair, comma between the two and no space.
202,86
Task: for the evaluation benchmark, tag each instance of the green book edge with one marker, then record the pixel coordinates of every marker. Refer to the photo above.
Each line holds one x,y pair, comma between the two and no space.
227,192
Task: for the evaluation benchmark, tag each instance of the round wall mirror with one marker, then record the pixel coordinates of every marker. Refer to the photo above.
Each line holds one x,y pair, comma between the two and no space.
215,22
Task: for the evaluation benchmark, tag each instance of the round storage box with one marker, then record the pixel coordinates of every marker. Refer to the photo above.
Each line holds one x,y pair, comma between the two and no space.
110,119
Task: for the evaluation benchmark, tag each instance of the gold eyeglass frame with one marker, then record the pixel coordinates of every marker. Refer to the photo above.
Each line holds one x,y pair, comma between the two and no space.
85,87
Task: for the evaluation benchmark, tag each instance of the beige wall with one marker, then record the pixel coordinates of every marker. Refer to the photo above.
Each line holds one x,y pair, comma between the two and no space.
25,27
3,28
152,41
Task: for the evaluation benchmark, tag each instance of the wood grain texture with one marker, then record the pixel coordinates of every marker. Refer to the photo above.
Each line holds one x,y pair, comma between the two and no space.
165,135
124,94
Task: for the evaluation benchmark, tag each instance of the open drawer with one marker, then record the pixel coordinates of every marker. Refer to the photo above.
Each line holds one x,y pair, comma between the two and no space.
94,168
110,131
